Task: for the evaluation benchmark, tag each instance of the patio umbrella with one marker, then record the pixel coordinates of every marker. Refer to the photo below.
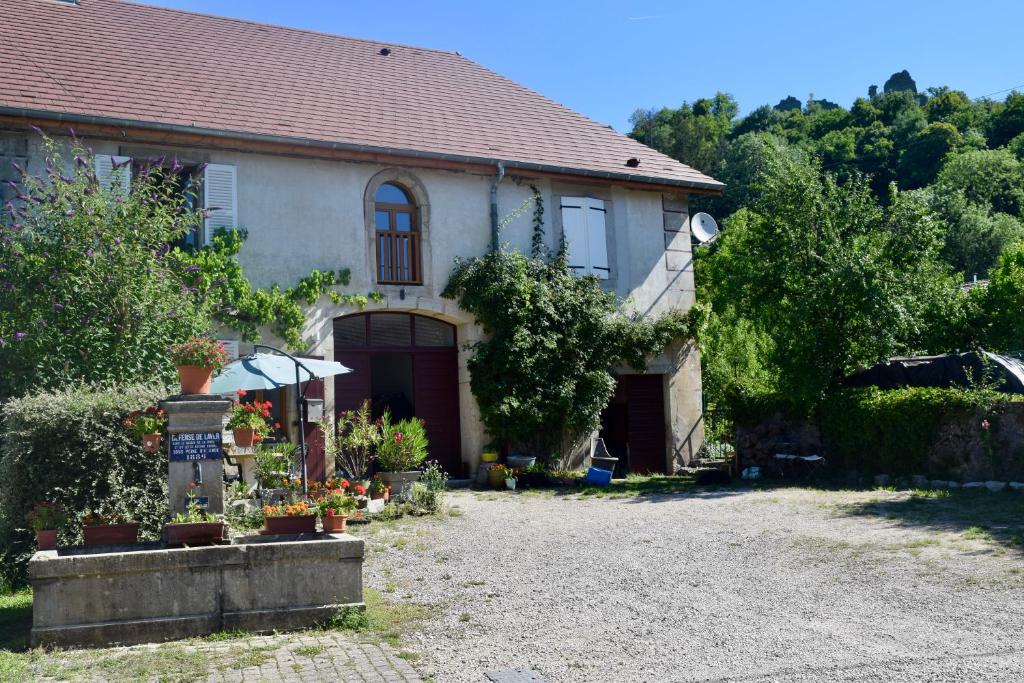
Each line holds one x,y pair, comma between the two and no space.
272,371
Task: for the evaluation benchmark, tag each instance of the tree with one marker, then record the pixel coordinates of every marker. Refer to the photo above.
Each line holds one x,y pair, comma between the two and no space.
697,134
1002,302
1008,123
991,177
91,294
831,277
922,157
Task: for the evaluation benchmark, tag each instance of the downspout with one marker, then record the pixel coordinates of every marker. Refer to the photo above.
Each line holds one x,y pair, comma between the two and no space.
494,205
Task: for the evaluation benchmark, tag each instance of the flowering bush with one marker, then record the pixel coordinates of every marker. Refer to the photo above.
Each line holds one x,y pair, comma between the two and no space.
152,420
506,471
46,516
359,490
403,445
271,464
286,510
200,352
254,416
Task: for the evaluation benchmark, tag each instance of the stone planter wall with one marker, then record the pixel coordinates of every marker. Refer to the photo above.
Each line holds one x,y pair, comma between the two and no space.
259,583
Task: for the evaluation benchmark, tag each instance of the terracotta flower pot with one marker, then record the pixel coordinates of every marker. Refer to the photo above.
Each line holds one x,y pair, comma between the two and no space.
195,533
335,524
111,534
46,539
151,442
297,524
243,436
195,379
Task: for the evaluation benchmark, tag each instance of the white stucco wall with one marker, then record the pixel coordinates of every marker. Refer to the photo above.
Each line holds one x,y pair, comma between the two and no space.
304,213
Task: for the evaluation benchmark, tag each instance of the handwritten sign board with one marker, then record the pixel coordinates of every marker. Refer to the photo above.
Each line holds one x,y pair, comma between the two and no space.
191,446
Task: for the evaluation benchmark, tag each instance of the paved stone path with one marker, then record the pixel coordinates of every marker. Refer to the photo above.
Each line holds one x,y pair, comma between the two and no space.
315,657
289,657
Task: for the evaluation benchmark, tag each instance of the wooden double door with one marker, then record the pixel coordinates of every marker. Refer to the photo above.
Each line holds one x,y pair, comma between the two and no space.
633,423
408,365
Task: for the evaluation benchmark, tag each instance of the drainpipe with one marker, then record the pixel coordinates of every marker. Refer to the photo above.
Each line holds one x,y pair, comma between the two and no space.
494,205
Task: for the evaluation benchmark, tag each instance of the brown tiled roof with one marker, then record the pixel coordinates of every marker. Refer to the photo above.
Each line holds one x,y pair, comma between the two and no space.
123,62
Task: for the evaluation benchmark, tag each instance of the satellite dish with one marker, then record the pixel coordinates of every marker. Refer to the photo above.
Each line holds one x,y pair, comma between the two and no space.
703,227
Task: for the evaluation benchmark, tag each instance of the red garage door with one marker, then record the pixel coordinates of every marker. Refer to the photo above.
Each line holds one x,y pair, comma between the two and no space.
406,364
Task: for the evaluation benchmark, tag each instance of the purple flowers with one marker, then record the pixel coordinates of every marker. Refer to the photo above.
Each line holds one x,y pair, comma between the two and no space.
89,252
985,424
18,336
58,307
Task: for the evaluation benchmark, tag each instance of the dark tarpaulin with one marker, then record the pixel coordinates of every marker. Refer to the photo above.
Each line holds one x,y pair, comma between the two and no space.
943,371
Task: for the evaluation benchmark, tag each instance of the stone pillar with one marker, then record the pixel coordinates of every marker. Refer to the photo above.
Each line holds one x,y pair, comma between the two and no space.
195,423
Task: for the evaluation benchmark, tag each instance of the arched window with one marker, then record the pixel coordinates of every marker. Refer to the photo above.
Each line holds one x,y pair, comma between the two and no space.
398,236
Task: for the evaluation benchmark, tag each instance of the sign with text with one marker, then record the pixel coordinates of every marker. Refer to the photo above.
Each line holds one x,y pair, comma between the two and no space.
191,446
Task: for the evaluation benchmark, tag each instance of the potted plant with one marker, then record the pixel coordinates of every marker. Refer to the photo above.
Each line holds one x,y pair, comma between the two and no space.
286,518
44,519
359,492
378,490
495,475
353,443
114,529
195,526
197,359
249,422
271,465
149,426
401,451
510,475
334,509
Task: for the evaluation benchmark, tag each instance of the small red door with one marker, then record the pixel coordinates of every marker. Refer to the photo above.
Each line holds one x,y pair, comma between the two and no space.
645,414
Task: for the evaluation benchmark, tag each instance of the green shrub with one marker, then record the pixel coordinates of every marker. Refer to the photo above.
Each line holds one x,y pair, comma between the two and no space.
402,446
72,448
893,431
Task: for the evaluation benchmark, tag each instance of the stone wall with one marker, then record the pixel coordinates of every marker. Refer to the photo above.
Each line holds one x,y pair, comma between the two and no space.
138,594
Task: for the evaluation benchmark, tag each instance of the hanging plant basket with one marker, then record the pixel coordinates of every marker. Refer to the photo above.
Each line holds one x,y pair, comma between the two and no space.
46,539
243,436
111,534
195,379
151,442
293,524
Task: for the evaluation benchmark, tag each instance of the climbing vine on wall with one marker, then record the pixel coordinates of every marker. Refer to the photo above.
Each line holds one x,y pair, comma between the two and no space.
537,238
544,372
217,278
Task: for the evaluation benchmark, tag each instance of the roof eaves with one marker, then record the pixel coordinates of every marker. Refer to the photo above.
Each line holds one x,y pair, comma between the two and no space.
68,117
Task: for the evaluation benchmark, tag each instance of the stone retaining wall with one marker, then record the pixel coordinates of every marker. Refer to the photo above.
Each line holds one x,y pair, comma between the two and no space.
126,595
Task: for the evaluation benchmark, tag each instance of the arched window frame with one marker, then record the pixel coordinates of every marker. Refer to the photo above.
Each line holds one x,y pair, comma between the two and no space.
417,193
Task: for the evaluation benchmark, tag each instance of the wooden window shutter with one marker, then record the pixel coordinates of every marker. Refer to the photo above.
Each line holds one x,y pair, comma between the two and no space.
114,168
597,239
220,199
583,224
574,229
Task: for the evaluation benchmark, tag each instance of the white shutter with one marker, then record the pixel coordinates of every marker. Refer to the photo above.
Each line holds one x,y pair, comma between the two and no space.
107,174
574,229
220,199
597,241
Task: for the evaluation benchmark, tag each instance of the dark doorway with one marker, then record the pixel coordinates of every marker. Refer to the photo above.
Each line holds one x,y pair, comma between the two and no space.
407,364
633,423
391,385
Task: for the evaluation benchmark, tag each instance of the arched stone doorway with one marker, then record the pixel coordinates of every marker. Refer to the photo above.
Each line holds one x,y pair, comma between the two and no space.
408,364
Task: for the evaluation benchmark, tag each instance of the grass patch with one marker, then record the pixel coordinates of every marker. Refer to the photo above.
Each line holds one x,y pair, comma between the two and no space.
976,533
310,650
408,656
227,635
381,620
464,617
641,485
15,619
166,663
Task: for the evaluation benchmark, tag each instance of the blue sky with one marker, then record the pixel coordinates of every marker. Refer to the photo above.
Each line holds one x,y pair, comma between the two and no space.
606,58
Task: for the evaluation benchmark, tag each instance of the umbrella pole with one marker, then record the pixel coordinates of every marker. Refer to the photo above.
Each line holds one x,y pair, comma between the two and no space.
300,402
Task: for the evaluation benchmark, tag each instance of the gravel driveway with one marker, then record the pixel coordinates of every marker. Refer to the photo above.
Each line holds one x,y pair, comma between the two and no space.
786,584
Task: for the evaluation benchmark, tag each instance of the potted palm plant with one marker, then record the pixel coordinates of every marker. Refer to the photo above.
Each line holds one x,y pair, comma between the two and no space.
334,509
45,519
249,422
401,451
112,529
195,526
197,359
149,426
